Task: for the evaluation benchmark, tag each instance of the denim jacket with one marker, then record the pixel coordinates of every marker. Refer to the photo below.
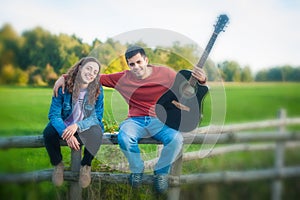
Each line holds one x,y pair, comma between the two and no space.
61,108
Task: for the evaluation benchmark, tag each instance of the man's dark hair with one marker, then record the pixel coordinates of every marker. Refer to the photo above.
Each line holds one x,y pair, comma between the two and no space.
133,50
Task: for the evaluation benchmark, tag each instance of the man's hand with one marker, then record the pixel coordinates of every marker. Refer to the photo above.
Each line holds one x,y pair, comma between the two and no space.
69,131
199,74
73,143
60,82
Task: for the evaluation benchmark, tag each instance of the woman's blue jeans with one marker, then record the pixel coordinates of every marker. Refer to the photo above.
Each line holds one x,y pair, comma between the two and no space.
135,128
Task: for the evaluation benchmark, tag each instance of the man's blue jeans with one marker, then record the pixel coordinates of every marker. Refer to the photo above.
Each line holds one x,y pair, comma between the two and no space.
136,128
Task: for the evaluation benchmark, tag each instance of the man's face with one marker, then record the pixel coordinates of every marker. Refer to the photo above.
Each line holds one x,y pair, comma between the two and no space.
138,66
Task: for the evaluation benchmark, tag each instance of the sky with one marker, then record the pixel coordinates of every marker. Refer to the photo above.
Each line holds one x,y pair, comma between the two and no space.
260,34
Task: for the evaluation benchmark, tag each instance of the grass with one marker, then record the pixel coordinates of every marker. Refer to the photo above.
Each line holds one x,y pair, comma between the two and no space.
23,111
259,101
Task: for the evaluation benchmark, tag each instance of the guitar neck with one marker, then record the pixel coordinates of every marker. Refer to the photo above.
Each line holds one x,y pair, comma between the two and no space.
207,50
204,56
222,20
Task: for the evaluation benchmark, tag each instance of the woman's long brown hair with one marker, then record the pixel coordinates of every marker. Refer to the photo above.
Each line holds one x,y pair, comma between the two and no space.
73,81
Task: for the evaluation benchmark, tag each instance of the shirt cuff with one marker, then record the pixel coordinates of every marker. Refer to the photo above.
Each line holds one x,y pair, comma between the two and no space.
203,82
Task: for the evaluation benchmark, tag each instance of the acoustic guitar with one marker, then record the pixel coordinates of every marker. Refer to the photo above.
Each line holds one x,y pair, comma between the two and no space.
180,107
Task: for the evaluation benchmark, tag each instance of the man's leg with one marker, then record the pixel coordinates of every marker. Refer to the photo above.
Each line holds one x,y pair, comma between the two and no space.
131,131
172,144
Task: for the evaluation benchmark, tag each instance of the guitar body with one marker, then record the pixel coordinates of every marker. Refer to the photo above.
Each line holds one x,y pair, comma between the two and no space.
181,106
179,110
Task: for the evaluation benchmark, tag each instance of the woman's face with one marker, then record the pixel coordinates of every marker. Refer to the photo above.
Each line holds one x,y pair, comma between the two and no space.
89,72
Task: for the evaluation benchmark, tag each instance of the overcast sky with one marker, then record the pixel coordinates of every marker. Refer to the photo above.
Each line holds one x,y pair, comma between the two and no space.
261,33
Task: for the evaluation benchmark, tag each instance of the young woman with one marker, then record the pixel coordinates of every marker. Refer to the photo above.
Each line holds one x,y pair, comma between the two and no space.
76,117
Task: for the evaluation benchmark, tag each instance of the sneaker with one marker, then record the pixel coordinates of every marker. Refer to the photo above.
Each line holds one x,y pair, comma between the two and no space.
85,176
135,179
161,183
58,174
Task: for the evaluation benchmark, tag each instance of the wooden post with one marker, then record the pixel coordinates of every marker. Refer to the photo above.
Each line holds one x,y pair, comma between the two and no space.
75,191
174,191
279,160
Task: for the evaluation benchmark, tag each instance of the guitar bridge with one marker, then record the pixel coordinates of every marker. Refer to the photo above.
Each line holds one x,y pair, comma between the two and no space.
181,106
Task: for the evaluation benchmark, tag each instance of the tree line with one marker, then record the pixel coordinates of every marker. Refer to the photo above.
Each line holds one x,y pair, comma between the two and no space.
37,57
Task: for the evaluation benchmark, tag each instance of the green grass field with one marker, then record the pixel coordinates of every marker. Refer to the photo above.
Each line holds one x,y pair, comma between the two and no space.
23,111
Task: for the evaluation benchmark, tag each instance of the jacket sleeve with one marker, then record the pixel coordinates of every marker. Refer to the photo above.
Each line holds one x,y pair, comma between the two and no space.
55,113
99,107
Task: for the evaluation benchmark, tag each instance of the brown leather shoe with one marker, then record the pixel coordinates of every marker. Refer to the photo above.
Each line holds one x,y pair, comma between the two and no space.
58,174
85,176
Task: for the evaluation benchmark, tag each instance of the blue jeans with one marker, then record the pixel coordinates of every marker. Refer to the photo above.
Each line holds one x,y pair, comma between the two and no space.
136,128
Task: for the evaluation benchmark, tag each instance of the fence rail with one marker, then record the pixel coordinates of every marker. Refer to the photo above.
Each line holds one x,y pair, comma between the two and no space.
215,177
189,138
229,134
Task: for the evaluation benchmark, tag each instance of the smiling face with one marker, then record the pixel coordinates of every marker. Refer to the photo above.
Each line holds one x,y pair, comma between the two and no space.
89,72
138,66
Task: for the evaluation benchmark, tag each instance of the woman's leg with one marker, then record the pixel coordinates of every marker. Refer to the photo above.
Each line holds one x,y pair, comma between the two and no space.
52,144
91,139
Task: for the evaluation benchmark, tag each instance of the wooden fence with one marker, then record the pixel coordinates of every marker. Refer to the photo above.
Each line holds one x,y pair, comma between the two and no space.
229,134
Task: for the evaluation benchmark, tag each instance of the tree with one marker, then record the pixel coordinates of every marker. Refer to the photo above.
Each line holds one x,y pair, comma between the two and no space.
295,76
8,74
110,55
10,43
246,75
231,71
49,75
39,49
182,57
279,73
275,74
261,76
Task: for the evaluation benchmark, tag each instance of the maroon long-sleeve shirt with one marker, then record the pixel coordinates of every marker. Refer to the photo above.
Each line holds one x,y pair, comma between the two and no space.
141,94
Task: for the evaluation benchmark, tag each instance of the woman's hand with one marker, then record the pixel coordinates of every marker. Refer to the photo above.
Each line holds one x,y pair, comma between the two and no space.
69,131
73,143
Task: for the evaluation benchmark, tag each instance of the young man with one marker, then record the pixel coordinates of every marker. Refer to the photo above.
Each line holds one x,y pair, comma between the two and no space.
141,87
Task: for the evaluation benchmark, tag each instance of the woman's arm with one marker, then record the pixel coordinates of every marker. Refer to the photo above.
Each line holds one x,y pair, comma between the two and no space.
55,113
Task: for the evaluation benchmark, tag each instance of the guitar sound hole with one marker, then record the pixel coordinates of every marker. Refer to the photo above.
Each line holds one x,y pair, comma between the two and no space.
188,91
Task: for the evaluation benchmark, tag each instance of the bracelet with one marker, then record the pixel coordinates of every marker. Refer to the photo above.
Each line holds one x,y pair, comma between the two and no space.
203,82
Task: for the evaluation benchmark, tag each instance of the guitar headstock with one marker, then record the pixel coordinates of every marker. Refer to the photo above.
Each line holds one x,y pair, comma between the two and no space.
222,21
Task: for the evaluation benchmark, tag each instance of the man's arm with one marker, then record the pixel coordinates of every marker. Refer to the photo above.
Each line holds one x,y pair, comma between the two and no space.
60,82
